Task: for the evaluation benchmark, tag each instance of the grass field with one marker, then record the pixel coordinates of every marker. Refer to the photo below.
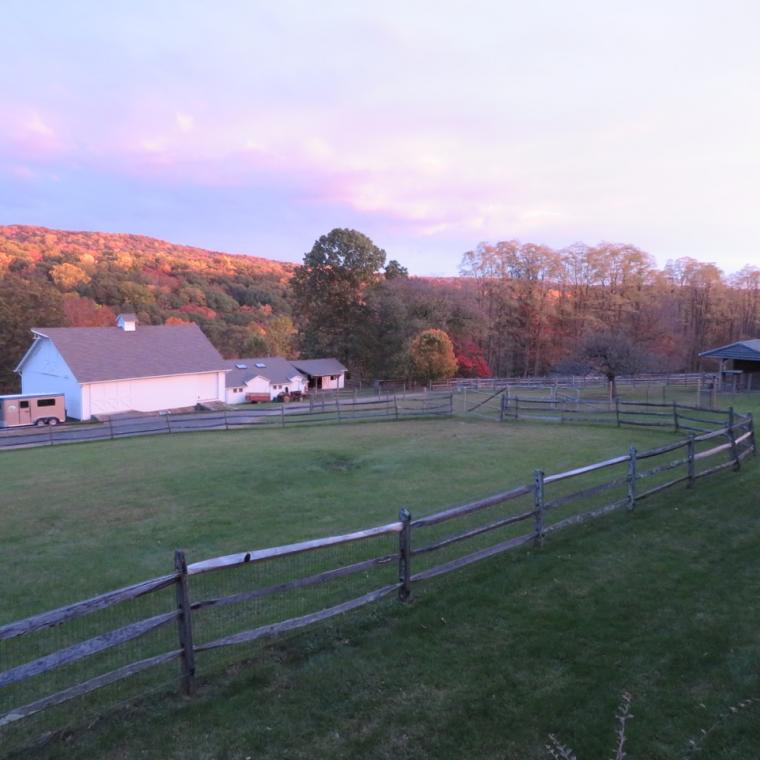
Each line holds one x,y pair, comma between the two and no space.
483,663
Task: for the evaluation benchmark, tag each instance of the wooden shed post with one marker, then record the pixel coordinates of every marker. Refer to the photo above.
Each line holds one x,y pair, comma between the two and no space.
185,625
631,480
538,502
404,554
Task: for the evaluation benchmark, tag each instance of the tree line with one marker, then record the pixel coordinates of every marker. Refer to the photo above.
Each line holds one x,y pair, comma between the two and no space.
516,309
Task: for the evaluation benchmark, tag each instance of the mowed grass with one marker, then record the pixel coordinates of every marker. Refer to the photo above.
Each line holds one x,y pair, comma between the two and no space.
81,519
481,663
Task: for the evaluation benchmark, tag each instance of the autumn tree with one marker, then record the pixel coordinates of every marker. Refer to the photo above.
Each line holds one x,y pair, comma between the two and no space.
329,293
612,353
24,304
432,356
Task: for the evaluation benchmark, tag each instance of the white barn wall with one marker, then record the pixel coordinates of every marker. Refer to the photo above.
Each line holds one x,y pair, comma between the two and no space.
328,384
45,371
153,394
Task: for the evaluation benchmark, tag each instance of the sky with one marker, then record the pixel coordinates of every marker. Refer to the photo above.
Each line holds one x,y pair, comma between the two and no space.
256,127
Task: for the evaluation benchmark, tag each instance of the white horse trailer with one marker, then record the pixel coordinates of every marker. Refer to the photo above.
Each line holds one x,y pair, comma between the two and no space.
32,409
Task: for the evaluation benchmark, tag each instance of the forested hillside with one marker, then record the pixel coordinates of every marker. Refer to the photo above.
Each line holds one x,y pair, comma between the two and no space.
517,308
52,277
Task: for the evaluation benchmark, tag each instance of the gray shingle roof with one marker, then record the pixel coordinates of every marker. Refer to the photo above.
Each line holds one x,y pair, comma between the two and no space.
742,349
275,369
109,353
319,367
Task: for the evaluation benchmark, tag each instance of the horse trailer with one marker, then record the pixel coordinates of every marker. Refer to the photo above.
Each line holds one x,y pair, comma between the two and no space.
32,409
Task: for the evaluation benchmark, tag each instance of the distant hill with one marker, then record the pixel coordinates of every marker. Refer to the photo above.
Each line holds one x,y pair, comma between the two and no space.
57,277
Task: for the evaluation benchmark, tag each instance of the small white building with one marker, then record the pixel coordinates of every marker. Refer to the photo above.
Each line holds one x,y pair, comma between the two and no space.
323,374
262,378
130,367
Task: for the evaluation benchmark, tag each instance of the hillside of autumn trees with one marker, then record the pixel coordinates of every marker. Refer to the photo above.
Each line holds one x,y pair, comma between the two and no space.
517,308
52,277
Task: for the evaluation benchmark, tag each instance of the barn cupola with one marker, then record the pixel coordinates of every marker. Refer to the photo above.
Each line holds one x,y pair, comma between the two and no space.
126,322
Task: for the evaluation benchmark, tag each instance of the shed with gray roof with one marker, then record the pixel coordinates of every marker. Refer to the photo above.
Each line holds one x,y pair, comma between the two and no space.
739,364
322,373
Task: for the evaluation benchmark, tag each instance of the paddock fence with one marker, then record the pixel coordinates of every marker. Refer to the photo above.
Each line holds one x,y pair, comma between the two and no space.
85,658
322,411
619,412
682,380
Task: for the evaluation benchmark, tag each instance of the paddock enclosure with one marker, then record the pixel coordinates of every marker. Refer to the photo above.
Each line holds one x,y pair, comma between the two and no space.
204,612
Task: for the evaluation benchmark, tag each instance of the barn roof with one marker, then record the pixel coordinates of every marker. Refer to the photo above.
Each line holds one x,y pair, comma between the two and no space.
97,354
275,369
742,349
319,367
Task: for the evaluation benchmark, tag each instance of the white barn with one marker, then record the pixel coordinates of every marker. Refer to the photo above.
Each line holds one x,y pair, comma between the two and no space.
108,370
262,378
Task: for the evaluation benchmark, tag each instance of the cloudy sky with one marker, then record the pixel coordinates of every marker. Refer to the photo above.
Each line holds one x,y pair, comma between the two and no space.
255,127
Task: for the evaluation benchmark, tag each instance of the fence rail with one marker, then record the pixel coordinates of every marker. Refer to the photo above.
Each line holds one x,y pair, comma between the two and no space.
321,411
679,380
420,549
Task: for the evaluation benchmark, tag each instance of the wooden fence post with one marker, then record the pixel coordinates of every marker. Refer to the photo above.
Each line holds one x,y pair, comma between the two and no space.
732,438
395,404
538,501
50,434
517,407
752,434
451,404
675,416
501,409
110,427
691,461
185,625
226,421
282,414
404,555
617,410
168,423
631,478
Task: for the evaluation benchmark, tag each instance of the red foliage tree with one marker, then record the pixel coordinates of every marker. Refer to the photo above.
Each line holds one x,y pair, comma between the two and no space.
470,360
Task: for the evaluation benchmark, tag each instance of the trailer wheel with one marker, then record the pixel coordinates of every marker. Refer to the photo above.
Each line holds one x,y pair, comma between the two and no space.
52,421
40,422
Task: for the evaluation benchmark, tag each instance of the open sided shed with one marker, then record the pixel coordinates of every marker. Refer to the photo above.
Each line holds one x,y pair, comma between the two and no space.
739,364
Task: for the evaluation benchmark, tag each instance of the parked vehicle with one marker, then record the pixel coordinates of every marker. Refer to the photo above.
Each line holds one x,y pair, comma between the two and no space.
257,398
32,409
287,396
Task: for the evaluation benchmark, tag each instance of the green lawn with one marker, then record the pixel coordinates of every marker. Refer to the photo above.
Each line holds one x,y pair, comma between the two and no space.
482,663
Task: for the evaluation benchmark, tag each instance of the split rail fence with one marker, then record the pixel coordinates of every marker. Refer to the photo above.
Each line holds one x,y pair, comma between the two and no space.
177,622
322,411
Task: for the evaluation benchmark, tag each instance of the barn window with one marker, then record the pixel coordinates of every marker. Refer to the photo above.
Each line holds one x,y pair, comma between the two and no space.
45,402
